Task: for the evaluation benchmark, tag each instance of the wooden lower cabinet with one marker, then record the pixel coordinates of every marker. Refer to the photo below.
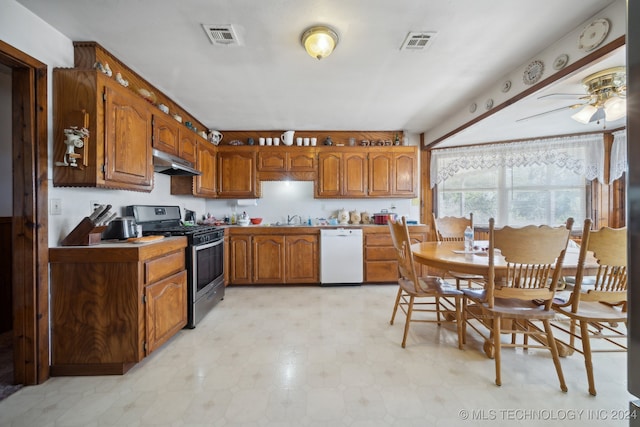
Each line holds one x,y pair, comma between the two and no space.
287,258
113,304
268,259
380,265
302,259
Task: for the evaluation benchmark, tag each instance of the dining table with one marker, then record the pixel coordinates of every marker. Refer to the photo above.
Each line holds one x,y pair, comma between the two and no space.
451,256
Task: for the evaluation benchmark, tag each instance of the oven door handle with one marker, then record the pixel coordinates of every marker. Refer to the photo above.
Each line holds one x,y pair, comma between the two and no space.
208,245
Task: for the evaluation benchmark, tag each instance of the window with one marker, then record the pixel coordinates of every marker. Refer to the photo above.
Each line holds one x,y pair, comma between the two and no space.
518,183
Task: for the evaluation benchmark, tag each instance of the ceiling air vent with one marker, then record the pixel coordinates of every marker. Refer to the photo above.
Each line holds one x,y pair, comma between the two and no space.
418,40
221,34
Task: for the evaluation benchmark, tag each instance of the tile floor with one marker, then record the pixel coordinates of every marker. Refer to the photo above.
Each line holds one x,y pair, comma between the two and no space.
314,356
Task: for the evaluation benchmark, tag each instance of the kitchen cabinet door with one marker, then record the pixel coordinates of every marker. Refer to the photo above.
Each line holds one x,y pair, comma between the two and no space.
268,258
302,260
205,184
272,161
354,174
166,309
301,161
381,174
237,173
240,260
329,174
165,134
405,174
127,125
187,147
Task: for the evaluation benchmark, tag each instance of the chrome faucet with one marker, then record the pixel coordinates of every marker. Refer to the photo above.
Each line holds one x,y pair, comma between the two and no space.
292,217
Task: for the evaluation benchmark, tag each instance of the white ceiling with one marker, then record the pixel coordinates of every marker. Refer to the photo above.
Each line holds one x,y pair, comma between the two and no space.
269,82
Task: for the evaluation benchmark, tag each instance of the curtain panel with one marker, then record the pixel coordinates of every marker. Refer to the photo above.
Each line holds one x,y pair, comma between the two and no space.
584,155
619,162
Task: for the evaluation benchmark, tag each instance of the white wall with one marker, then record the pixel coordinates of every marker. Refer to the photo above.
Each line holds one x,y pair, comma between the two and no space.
6,176
280,199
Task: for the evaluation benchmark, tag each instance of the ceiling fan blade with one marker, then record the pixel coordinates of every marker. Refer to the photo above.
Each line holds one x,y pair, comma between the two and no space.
566,96
571,107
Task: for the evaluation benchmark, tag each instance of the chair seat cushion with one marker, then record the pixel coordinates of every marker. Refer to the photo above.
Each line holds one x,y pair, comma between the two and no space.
595,312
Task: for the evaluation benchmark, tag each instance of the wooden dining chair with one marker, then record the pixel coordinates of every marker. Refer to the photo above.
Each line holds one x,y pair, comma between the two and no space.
517,297
451,229
439,302
598,303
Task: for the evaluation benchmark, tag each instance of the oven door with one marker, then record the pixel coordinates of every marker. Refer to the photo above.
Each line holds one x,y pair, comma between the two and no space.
206,279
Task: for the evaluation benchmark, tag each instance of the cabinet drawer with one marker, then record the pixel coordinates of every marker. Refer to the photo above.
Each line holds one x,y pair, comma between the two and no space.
164,266
378,240
377,253
381,271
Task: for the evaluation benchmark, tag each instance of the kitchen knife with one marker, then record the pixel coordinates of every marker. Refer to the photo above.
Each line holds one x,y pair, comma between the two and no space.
108,219
96,212
103,214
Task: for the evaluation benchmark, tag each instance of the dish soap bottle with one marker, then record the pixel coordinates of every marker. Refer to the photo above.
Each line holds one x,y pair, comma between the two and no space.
468,239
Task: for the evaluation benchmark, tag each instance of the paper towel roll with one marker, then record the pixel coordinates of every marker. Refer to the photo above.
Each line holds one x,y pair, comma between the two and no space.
247,202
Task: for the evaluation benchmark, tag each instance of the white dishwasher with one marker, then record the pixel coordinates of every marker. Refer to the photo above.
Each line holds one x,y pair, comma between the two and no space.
341,256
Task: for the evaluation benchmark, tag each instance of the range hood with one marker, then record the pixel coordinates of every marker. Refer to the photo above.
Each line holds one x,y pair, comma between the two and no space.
171,165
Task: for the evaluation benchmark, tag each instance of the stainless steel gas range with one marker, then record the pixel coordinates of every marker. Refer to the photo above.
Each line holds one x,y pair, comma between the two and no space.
204,255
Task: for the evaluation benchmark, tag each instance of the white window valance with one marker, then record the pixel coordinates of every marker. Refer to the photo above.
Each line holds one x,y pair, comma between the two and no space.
582,154
619,163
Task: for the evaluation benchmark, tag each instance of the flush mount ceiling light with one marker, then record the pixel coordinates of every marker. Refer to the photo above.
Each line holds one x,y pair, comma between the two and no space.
319,41
607,91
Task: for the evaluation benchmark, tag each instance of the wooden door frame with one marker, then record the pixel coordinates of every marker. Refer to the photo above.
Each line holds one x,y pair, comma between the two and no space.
30,215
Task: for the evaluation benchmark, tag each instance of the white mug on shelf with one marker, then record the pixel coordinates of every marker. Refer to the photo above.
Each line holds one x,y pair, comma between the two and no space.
314,141
299,141
261,141
306,142
269,141
276,141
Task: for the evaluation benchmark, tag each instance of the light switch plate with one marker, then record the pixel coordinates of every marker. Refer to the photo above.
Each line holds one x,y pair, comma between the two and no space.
55,207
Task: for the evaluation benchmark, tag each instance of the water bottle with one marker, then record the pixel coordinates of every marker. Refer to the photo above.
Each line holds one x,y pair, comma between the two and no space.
468,239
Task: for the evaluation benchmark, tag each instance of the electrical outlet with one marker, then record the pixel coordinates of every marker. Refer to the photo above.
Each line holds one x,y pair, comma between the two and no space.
55,207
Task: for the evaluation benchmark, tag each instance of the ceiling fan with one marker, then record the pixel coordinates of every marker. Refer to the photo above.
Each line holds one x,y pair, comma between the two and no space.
605,98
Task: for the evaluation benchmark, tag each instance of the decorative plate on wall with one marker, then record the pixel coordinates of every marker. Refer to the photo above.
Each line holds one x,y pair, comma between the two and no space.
561,61
488,104
473,107
593,34
533,72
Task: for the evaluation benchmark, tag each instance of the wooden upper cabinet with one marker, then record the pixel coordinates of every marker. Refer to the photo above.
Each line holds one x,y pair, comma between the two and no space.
188,141
393,173
405,173
354,174
342,174
117,153
128,157
329,174
205,184
380,174
166,134
272,160
237,172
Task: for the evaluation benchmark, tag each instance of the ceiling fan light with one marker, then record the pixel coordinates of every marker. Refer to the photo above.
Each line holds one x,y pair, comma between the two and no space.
584,116
615,108
319,42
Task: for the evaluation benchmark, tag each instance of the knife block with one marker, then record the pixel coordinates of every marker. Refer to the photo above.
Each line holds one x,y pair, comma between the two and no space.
86,233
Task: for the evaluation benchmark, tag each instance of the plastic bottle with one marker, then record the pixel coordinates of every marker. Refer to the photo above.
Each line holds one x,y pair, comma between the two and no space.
468,239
